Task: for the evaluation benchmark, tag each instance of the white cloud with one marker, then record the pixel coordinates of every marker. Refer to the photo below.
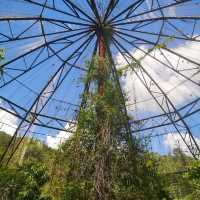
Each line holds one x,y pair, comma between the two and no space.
151,14
32,45
179,90
8,122
55,141
171,11
174,140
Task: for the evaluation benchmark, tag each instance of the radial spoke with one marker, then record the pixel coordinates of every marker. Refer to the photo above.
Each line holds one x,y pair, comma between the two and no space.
56,10
127,10
158,19
93,7
80,10
152,10
111,6
40,18
162,35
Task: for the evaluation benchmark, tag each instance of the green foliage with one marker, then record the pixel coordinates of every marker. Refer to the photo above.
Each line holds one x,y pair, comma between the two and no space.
108,33
23,183
72,170
4,139
160,46
76,190
193,173
193,177
134,65
181,174
94,73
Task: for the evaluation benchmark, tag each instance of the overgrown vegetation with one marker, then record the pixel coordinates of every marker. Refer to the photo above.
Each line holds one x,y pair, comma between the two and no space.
45,172
106,153
26,181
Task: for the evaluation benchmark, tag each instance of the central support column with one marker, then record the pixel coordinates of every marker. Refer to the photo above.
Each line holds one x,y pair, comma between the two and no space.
102,55
102,167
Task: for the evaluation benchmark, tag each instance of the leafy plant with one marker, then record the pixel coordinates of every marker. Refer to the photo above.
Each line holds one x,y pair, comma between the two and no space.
24,183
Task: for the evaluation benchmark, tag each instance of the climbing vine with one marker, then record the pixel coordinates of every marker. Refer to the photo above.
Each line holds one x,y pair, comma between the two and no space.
103,150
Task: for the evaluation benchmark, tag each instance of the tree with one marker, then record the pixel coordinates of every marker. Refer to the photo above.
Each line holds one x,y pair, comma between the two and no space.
4,139
24,183
193,177
181,175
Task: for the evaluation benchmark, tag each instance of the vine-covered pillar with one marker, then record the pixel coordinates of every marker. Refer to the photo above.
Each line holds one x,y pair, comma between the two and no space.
102,167
102,56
